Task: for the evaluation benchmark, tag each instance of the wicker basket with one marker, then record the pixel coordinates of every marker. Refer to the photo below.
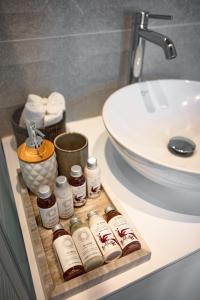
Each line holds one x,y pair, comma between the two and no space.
21,133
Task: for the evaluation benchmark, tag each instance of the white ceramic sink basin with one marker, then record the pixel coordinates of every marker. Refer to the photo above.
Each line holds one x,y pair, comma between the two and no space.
141,119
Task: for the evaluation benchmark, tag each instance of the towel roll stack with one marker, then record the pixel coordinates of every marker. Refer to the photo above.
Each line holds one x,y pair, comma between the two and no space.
43,111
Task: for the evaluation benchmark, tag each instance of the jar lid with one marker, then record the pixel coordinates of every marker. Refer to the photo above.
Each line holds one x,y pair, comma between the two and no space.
44,191
57,227
108,209
60,181
76,171
92,162
74,220
32,155
91,213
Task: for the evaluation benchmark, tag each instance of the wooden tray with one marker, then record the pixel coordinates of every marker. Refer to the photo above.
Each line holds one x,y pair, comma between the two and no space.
51,279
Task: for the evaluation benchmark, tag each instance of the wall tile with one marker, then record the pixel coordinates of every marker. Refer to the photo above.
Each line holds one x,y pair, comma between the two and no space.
41,18
75,66
186,65
84,65
5,117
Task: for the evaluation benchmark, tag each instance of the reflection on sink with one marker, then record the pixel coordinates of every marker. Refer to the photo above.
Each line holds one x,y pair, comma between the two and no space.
141,119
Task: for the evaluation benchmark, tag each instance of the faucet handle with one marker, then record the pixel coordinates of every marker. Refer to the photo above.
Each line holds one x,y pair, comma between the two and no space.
161,17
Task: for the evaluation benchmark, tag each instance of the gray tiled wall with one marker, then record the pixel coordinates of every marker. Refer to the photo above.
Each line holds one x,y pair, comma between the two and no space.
80,48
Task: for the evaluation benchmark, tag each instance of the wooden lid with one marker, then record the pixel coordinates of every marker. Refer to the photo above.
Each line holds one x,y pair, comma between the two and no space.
32,155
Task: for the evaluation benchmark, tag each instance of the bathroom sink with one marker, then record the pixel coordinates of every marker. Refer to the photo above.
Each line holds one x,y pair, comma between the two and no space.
142,118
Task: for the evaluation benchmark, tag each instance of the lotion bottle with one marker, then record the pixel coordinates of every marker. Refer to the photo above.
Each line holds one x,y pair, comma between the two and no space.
64,198
87,248
78,185
104,237
47,205
37,159
92,174
122,231
66,253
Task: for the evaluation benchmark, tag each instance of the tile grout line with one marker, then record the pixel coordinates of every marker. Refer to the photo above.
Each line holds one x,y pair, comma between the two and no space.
63,36
94,33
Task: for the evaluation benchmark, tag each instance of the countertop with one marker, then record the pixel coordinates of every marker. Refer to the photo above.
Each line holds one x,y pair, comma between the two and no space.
168,220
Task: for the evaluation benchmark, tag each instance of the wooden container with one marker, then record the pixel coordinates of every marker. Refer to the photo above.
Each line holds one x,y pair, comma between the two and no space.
50,279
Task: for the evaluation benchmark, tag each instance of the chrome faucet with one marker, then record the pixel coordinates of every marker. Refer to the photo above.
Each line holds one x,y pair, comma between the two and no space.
142,33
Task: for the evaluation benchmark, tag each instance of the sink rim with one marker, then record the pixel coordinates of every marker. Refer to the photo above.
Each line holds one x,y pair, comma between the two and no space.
146,158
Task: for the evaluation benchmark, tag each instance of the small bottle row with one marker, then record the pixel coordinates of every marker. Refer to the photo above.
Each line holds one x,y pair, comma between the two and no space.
68,193
87,248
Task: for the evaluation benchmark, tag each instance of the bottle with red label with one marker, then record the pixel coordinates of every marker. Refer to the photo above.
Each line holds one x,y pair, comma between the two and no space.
122,231
104,237
66,253
47,205
78,184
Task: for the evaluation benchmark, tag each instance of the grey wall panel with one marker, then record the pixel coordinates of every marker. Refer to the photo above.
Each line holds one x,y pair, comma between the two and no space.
179,281
80,48
40,18
7,291
12,245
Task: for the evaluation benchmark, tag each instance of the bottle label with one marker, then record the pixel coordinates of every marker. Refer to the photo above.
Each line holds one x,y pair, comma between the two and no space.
122,231
66,252
104,237
85,244
79,194
93,186
49,216
65,206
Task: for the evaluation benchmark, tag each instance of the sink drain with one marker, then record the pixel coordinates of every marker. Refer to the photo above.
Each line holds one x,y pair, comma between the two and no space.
181,146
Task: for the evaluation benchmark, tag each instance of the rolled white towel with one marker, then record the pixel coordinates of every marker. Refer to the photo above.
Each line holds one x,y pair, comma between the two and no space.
53,108
37,99
34,98
45,101
53,118
35,112
58,99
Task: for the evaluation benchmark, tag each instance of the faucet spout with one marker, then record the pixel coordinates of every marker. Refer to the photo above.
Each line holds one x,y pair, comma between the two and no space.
140,35
161,40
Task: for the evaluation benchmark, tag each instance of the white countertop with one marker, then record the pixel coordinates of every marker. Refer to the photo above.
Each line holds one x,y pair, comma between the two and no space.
169,221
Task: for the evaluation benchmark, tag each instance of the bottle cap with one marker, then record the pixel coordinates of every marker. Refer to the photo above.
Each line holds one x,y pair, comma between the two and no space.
108,209
74,220
57,227
44,191
91,213
76,171
60,181
92,162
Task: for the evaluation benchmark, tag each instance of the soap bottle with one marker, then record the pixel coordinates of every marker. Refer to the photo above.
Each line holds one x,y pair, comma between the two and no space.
104,237
37,159
66,253
87,248
64,198
92,173
78,185
47,205
122,231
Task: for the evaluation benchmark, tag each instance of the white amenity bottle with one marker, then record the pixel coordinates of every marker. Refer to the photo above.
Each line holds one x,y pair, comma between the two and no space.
104,237
93,178
64,197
